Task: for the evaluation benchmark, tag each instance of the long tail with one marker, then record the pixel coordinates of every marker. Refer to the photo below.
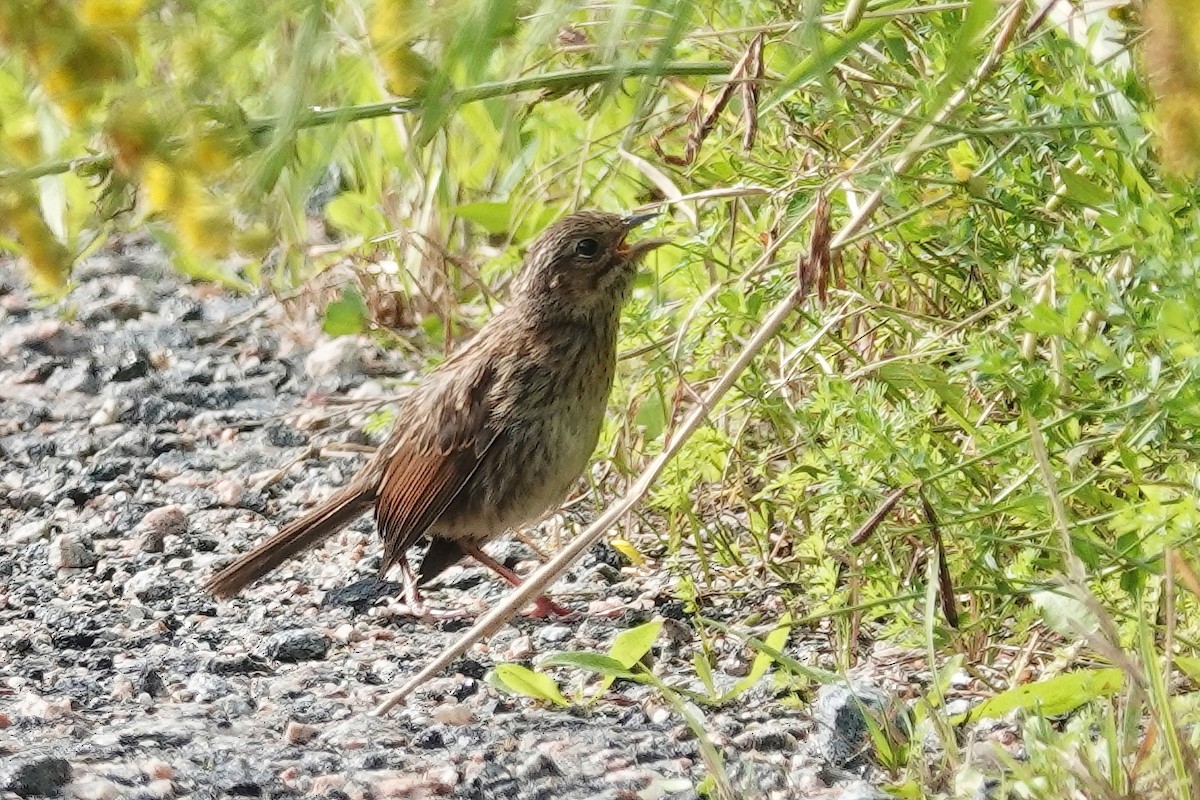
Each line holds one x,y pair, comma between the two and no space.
334,513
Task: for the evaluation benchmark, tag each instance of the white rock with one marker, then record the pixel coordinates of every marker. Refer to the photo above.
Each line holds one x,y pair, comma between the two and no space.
29,532
108,413
334,358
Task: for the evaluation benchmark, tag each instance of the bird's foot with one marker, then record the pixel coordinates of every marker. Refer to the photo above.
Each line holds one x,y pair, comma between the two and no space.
426,613
545,608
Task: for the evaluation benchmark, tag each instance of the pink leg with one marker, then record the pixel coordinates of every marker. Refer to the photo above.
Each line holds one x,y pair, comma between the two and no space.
543,606
412,595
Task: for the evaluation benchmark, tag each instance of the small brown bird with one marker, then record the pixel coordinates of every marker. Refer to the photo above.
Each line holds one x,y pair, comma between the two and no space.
497,434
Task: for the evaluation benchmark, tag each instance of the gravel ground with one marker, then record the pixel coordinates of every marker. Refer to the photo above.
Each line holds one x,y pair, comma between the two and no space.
149,429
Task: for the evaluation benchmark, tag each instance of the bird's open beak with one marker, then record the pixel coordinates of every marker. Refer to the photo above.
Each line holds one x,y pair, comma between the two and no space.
638,249
637,219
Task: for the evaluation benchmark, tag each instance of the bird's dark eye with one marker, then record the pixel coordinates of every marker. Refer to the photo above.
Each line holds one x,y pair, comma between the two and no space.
588,248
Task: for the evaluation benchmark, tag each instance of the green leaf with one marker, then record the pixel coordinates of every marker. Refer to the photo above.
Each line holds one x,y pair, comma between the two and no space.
629,646
1065,614
651,416
347,315
1045,318
356,214
592,662
1053,696
704,672
492,217
785,661
1084,191
775,640
969,35
1190,666
524,681
914,376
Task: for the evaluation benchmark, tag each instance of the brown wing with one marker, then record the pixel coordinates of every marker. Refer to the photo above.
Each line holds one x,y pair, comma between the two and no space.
448,434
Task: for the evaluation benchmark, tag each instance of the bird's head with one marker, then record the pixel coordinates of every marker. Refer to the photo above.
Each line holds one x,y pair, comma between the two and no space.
583,263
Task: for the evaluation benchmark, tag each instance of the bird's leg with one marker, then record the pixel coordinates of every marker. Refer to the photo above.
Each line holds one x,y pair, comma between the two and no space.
412,595
543,606
415,603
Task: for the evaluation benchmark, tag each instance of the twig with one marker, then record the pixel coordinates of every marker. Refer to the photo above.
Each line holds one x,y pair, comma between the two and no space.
910,154
554,82
867,528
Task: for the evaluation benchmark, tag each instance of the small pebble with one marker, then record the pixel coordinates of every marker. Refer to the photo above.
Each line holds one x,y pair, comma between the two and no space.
299,733
335,358
108,413
93,787
520,649
324,785
229,492
45,709
453,713
555,633
70,552
149,585
160,523
157,769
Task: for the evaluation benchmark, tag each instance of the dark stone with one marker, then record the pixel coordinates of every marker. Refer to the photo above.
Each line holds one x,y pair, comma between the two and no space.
843,737
603,553
109,469
147,680
494,781
470,668
243,664
362,594
766,740
278,434
134,364
238,778
429,739
464,689
672,609
155,411
296,644
39,776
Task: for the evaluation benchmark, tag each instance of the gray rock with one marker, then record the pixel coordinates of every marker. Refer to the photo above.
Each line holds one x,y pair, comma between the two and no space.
150,585
768,739
861,790
538,766
335,358
208,687
70,552
296,644
843,732
555,633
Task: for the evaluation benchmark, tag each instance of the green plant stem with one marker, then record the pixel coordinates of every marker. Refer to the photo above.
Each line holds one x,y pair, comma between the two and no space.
555,83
